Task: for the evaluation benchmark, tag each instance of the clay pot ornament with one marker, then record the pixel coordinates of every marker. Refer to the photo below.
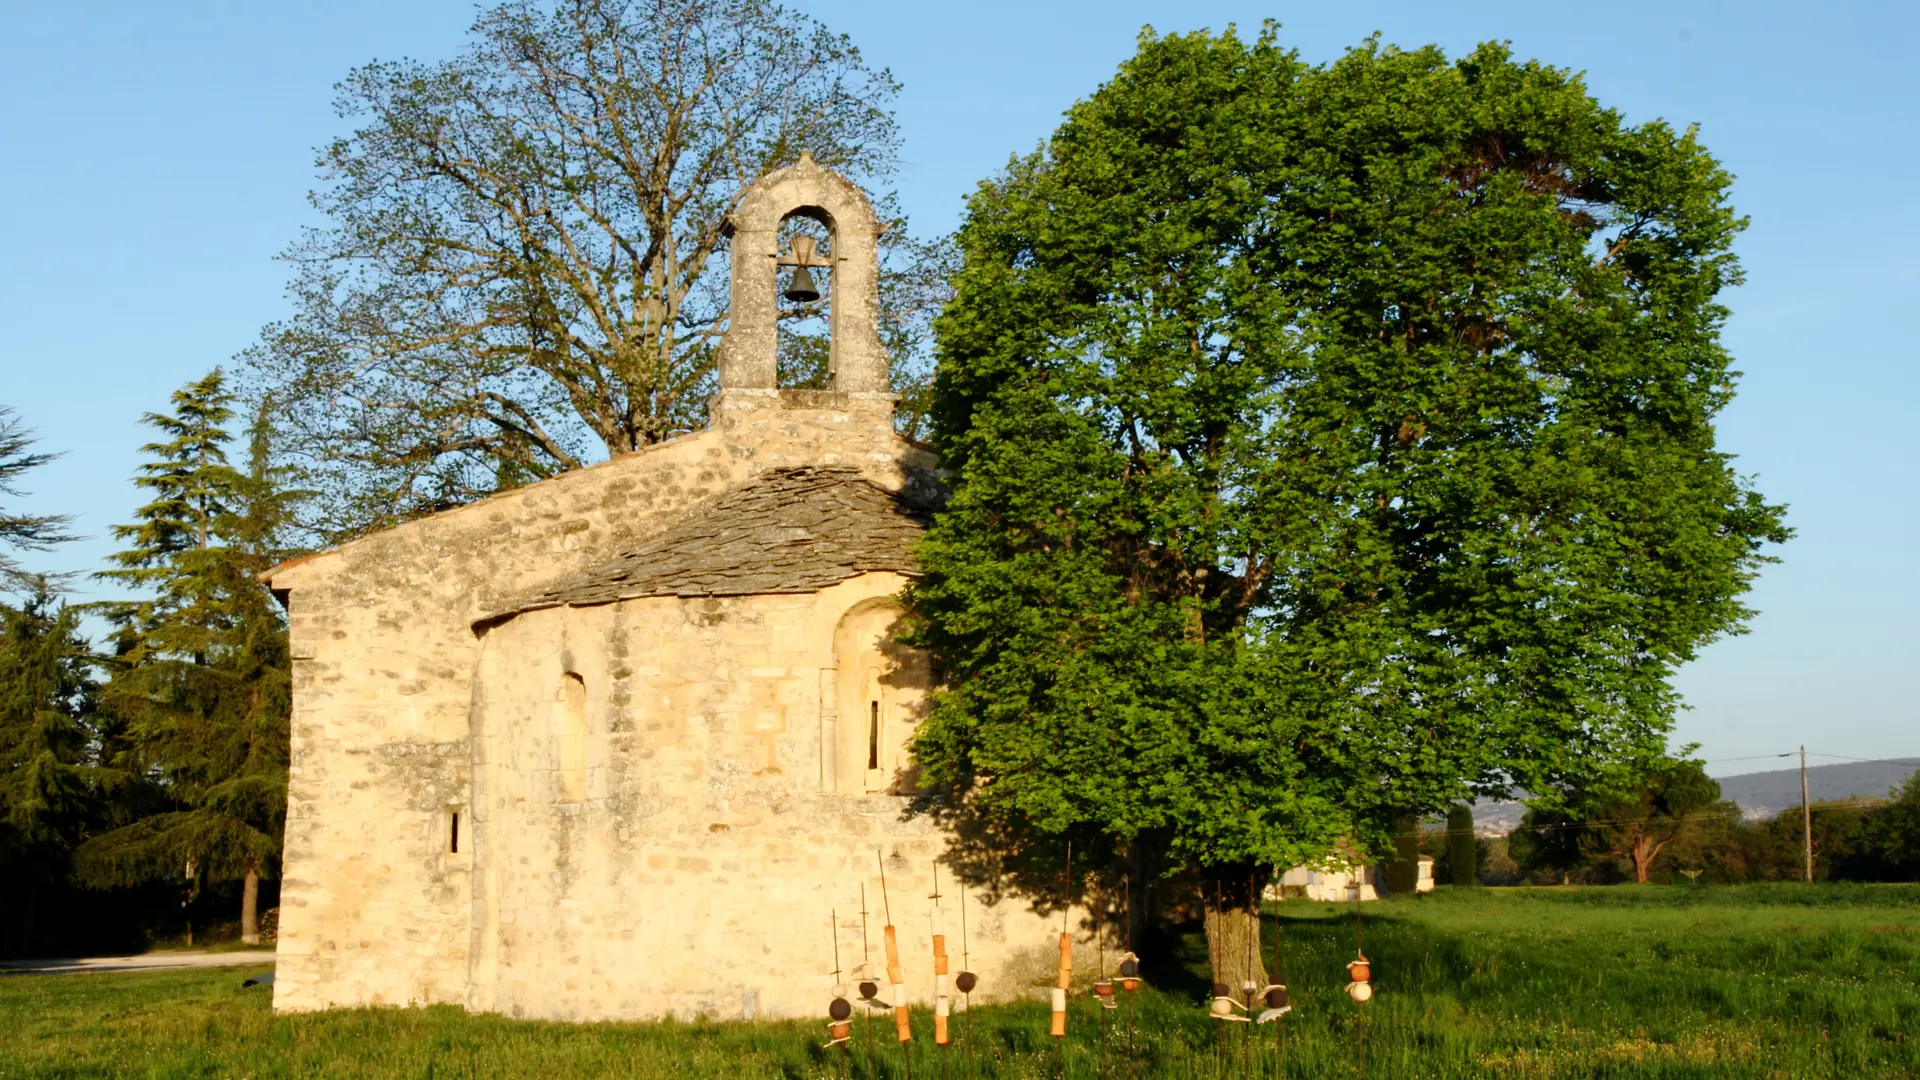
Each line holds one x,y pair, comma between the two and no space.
839,1031
1103,991
965,982
1129,972
869,988
1224,1005
1274,997
1360,989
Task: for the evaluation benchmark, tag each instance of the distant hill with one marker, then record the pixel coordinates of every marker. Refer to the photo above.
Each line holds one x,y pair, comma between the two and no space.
1765,794
1759,795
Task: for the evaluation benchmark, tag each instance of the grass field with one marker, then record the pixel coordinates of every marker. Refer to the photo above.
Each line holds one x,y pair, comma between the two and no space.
1750,981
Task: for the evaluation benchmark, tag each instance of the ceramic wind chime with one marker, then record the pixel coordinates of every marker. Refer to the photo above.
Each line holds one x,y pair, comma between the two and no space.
966,980
1359,976
1103,992
1063,981
942,1003
869,987
896,978
839,1010
1063,978
1275,1003
1224,1005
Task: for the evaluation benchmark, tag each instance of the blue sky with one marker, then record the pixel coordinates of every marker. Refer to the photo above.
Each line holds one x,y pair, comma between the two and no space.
157,158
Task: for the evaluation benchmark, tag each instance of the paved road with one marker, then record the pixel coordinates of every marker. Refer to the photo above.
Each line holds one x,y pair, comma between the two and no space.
154,961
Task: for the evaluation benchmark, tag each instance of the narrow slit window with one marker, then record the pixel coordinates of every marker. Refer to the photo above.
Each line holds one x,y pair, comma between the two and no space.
873,735
571,740
453,833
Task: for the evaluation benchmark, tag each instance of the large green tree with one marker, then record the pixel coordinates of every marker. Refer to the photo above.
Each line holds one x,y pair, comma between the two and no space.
524,261
200,674
1675,809
1329,444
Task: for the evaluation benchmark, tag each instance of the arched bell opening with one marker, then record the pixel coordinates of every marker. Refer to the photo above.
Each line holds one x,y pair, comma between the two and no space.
844,269
803,354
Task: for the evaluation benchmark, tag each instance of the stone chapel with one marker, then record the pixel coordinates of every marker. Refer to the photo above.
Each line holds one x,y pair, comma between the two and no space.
615,744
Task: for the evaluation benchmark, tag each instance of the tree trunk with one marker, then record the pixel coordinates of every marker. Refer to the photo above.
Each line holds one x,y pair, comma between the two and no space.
1233,938
1644,851
250,907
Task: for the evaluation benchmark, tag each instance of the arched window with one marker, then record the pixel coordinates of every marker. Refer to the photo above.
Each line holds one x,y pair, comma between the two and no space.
570,740
881,691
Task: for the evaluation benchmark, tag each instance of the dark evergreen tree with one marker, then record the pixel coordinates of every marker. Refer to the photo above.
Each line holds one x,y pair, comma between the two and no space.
48,780
200,672
1463,848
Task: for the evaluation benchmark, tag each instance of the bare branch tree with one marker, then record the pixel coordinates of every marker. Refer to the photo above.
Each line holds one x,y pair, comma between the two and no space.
524,264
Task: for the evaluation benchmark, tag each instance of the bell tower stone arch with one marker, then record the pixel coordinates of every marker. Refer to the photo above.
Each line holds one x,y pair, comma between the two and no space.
748,372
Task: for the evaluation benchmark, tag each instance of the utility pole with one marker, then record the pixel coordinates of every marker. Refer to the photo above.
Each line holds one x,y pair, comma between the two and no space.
1806,815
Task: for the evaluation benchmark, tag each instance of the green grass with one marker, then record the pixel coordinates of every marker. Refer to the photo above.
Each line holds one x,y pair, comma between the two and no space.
1752,981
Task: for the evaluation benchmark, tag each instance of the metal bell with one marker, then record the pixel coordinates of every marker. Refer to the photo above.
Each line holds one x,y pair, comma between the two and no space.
801,289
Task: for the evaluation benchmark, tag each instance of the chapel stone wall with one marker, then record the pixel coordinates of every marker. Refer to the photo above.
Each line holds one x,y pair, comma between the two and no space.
375,909
698,876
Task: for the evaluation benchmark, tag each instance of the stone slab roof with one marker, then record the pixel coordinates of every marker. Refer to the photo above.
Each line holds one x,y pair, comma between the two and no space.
788,531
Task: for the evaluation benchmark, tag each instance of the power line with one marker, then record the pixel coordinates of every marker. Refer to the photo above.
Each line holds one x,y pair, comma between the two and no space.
1869,760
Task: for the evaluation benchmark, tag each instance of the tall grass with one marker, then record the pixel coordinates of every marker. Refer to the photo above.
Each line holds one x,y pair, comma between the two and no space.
1747,981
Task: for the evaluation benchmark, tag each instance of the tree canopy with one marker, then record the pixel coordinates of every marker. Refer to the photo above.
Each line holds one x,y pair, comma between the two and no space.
1329,443
1675,809
524,261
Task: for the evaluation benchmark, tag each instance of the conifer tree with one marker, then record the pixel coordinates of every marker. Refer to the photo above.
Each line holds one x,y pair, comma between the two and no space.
201,668
47,781
1463,846
23,532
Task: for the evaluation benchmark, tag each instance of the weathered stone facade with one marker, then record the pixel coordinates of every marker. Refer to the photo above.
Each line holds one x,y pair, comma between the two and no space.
613,745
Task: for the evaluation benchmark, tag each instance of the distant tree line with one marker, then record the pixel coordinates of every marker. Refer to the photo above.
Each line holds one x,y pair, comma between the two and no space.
1677,829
